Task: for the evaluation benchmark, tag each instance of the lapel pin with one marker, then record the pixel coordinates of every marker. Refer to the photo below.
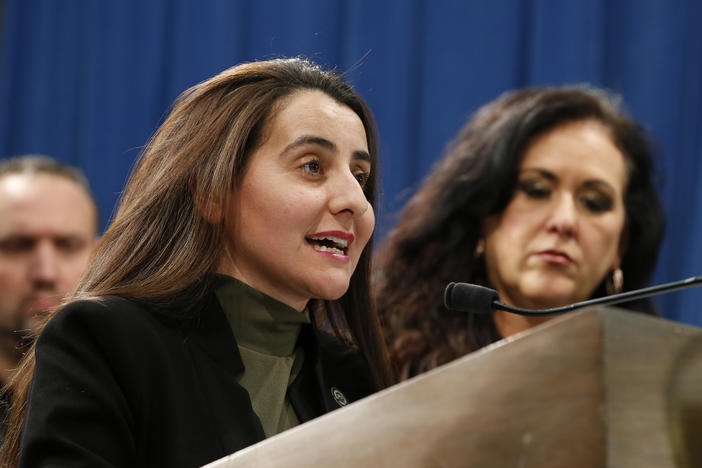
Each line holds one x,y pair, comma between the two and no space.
339,397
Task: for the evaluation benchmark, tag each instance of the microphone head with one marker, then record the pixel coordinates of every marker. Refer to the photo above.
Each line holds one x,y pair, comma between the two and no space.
465,297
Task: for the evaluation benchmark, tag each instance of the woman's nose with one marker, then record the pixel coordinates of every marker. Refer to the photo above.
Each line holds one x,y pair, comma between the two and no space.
563,218
346,196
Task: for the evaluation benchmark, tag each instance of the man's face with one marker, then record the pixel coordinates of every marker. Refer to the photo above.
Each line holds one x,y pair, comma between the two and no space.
47,228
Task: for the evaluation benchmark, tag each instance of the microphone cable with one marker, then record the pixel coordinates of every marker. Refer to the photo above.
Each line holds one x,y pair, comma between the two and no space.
466,297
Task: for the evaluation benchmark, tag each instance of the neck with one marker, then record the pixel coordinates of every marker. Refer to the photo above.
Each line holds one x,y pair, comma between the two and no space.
509,324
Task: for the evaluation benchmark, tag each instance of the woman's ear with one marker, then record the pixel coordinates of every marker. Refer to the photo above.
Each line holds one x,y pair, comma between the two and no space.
209,207
211,212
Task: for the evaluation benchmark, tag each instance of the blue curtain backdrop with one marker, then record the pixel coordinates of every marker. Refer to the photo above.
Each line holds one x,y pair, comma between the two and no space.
88,81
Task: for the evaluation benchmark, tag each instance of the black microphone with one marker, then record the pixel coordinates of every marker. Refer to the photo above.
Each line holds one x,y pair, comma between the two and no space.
466,297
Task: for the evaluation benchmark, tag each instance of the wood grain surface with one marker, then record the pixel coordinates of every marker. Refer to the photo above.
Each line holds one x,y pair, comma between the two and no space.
595,388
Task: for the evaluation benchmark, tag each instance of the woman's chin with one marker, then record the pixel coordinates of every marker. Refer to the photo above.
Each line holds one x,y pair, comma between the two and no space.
553,291
546,298
331,292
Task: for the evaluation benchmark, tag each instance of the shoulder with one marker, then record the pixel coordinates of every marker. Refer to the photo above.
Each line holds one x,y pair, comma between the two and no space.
107,321
114,308
114,341
99,307
110,311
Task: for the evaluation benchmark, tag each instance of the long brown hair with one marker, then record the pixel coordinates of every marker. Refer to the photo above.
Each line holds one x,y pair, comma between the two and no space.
160,247
435,240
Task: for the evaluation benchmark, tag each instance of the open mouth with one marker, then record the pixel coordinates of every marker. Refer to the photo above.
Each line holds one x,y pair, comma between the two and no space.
330,244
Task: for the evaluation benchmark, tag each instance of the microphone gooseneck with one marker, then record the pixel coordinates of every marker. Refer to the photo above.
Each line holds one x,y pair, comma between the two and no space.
465,297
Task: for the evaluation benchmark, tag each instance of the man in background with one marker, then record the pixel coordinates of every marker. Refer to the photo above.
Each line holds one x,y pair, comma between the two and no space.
48,225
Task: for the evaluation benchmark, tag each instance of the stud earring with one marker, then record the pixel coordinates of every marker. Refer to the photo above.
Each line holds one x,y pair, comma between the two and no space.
479,249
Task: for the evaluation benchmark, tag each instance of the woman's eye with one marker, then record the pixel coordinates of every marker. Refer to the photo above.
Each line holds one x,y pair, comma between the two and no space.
597,203
313,167
535,190
362,178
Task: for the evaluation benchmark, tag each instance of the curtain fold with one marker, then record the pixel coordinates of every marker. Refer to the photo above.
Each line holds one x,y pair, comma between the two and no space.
88,81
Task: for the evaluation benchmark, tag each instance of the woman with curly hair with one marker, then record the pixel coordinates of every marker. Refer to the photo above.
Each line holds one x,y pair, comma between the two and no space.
546,196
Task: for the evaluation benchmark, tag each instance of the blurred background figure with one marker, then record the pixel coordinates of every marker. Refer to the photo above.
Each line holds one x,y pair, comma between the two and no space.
48,224
545,195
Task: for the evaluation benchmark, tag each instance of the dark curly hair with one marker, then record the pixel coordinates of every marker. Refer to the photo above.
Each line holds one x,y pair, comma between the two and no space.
435,238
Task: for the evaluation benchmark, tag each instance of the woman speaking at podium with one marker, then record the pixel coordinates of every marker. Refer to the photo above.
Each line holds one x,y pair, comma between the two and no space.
229,299
546,196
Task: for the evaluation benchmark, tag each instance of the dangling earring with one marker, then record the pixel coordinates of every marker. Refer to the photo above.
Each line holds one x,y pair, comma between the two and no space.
615,282
479,249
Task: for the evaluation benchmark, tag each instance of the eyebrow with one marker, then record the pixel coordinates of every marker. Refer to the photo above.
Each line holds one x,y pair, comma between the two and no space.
550,176
541,172
324,143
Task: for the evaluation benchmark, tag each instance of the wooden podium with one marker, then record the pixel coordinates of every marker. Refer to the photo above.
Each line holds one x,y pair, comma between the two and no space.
597,388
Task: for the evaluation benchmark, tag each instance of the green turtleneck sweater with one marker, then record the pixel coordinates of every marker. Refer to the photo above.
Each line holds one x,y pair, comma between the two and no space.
266,332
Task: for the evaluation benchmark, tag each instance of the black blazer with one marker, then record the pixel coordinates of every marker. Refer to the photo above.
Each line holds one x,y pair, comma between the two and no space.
118,385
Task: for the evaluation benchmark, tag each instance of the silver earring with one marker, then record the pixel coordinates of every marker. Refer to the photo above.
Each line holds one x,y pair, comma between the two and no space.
615,282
